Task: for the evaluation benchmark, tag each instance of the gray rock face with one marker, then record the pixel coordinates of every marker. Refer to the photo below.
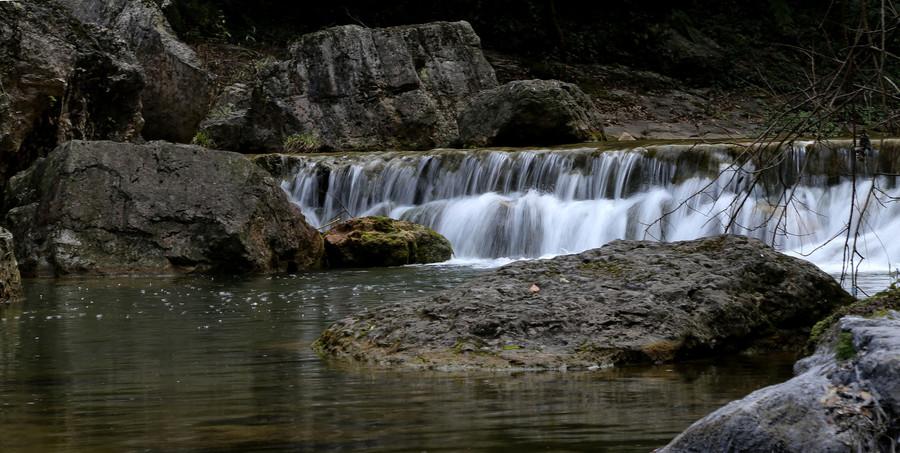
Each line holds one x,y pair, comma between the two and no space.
846,404
530,112
61,79
351,87
10,282
627,302
105,207
178,91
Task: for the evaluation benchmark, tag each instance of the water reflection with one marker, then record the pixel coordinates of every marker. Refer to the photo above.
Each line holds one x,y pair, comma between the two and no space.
201,364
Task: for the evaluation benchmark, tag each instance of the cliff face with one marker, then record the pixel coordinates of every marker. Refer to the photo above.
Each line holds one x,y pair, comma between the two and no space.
178,89
351,87
61,80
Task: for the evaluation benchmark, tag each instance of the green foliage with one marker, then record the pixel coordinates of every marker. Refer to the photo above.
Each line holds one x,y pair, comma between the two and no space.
201,138
845,349
301,143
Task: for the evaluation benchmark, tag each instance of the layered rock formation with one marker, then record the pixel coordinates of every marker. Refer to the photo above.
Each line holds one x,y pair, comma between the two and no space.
382,241
104,207
178,91
627,302
530,112
61,79
351,87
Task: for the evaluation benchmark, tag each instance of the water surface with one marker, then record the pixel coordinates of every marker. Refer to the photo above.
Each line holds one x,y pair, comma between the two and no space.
203,364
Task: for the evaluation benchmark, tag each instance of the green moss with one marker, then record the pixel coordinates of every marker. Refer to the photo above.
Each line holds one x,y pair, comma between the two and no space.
470,345
873,307
845,349
613,268
383,224
301,143
202,139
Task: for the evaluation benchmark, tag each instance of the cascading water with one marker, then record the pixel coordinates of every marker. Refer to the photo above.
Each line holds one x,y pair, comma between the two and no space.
521,204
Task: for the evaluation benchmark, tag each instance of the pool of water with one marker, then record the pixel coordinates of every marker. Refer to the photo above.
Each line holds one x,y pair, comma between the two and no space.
211,364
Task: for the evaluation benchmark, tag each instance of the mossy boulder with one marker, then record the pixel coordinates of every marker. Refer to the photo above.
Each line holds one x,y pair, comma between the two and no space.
382,241
627,302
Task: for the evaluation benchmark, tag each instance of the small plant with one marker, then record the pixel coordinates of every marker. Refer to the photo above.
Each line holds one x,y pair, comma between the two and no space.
204,140
301,143
845,350
261,64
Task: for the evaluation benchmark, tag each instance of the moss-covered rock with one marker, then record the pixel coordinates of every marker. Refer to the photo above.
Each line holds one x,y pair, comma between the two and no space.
382,241
875,306
627,302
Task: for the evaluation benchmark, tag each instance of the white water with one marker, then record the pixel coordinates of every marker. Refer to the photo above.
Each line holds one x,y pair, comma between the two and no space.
499,205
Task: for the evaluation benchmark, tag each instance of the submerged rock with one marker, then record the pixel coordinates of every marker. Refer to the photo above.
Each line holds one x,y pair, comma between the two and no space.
10,282
382,241
61,79
846,398
530,112
351,87
178,91
627,302
105,207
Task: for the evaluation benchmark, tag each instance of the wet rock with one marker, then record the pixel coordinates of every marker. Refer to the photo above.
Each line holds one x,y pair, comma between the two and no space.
61,79
845,398
351,87
382,241
530,112
105,207
10,282
178,91
627,302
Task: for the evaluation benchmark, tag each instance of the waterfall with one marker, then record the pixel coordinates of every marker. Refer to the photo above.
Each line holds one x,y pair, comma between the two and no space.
533,203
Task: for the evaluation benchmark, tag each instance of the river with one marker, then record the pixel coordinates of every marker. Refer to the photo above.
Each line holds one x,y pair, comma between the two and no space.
211,364
219,364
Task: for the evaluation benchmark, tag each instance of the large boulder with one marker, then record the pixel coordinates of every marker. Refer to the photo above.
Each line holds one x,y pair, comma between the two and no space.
351,87
178,91
382,241
845,398
10,281
61,79
530,112
105,207
627,302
